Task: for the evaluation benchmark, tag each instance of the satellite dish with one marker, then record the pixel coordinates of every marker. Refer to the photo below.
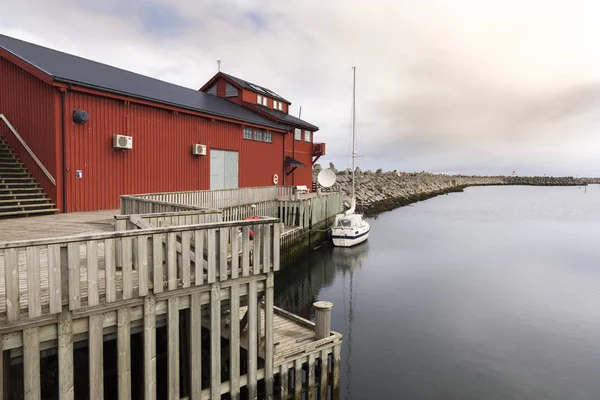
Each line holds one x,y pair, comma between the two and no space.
326,178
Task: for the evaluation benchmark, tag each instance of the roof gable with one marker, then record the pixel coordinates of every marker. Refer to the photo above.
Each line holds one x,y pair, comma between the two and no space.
68,68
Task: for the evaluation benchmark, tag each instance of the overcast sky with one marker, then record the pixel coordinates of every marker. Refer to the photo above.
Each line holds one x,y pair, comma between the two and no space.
464,86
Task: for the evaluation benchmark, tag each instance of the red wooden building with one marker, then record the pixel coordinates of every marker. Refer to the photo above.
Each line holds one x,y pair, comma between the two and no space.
99,132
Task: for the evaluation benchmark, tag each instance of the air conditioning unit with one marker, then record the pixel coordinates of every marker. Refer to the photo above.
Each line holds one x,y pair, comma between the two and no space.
199,149
122,142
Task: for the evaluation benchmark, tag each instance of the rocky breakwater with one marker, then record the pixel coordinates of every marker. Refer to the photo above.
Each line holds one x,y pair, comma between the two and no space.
380,191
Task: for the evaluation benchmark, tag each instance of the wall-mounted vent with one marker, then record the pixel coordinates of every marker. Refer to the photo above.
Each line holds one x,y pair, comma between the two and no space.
199,149
122,142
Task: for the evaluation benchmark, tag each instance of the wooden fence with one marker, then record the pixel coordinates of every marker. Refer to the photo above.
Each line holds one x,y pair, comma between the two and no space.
215,198
123,222
38,277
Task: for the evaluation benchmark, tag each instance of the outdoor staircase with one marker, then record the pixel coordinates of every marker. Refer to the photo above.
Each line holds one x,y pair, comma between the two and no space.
20,194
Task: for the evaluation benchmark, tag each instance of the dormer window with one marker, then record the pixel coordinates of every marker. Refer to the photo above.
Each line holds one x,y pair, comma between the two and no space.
307,136
298,134
275,102
259,99
280,106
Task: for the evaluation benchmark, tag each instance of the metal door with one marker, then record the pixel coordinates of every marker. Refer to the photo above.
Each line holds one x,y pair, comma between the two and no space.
224,169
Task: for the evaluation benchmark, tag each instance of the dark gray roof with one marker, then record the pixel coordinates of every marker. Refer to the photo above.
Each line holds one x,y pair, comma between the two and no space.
256,88
293,162
286,118
68,68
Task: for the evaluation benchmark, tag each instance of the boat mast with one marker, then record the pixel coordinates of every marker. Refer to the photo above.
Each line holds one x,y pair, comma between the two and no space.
353,128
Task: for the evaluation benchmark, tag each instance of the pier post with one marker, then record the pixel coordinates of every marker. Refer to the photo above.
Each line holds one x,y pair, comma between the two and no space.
322,319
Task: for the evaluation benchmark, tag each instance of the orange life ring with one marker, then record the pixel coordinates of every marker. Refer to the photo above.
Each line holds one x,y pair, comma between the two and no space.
275,179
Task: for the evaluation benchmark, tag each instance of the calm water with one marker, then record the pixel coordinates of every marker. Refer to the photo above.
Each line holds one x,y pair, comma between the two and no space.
489,294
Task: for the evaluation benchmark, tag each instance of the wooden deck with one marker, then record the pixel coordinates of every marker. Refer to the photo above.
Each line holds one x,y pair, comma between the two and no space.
57,225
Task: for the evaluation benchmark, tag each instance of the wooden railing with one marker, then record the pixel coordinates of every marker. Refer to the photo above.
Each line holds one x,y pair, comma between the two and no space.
308,212
263,209
39,277
138,205
123,222
219,198
28,149
303,213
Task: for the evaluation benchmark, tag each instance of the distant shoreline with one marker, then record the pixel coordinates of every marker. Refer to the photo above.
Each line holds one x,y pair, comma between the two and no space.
378,192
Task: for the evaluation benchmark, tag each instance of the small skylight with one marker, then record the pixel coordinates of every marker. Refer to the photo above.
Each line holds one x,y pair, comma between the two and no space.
257,88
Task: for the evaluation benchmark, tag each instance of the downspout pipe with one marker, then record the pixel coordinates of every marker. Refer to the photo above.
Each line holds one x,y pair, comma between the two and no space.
63,151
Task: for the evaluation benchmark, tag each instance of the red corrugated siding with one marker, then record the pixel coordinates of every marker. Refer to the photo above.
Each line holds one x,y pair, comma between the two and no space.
161,158
301,151
29,104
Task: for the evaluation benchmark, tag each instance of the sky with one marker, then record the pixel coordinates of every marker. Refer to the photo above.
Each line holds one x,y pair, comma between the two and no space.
481,87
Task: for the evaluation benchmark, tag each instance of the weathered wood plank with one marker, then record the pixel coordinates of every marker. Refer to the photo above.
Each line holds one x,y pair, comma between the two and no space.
311,376
223,245
234,341
235,253
157,255
11,276
65,356
256,256
276,246
185,258
127,265
150,347
2,383
215,341
199,257
124,353
92,271
74,276
172,261
252,336
283,376
196,345
34,301
173,347
245,251
298,380
54,282
142,265
96,361
267,248
110,271
323,387
336,373
212,256
269,303
31,364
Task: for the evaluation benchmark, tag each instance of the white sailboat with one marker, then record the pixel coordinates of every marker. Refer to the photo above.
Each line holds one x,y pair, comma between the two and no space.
351,228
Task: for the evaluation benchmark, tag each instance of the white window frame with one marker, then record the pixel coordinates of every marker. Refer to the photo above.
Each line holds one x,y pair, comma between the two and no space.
258,135
280,106
275,104
265,101
307,136
298,134
259,99
246,132
268,137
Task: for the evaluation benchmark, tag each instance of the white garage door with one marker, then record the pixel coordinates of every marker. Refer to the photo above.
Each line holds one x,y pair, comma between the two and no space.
223,169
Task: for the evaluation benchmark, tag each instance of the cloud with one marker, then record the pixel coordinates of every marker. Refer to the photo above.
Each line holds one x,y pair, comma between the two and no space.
462,86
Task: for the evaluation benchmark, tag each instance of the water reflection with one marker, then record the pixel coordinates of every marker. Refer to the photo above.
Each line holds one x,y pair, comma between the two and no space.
299,285
490,294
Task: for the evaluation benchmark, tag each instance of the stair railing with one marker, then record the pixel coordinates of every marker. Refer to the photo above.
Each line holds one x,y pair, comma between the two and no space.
31,153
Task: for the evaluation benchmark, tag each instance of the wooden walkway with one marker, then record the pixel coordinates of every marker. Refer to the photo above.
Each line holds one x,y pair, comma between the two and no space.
57,225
